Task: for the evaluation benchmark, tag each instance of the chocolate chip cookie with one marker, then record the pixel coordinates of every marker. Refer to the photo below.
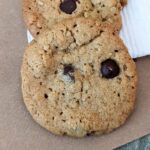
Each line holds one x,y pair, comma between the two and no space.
78,79
41,14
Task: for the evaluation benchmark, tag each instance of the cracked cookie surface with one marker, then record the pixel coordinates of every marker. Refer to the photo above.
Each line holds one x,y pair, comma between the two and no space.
41,14
78,79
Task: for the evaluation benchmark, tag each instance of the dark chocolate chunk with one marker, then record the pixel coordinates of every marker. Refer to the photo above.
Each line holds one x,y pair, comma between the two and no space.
90,133
69,70
68,6
109,69
45,95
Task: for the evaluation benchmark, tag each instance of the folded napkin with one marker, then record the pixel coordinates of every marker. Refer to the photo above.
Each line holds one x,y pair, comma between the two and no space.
136,27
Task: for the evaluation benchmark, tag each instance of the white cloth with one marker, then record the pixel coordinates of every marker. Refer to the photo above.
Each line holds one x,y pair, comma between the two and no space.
136,27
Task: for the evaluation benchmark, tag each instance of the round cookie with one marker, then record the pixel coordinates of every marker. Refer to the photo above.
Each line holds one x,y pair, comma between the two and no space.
40,14
78,79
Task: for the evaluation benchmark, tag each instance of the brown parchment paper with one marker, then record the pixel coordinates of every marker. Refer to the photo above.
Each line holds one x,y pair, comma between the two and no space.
18,131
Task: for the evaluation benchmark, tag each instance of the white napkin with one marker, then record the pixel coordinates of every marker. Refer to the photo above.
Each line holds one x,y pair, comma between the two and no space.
136,27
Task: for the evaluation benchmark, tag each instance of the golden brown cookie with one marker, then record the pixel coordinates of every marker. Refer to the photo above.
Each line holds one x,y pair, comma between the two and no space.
78,79
41,14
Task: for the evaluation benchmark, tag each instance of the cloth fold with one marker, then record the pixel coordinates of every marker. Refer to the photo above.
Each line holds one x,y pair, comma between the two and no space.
136,28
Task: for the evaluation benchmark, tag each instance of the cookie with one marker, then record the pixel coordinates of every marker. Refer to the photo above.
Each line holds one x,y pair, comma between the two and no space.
41,14
78,79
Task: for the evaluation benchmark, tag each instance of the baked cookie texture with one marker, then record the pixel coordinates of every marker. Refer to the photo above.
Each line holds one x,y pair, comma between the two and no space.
42,14
78,79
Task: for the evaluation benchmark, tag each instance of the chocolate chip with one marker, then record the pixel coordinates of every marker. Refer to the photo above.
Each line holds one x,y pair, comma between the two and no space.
77,102
61,113
104,19
45,95
65,133
103,5
75,25
68,6
51,89
56,72
68,69
118,94
90,133
109,69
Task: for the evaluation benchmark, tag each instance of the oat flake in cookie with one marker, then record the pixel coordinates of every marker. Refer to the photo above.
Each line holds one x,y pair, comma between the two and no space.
40,14
78,79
